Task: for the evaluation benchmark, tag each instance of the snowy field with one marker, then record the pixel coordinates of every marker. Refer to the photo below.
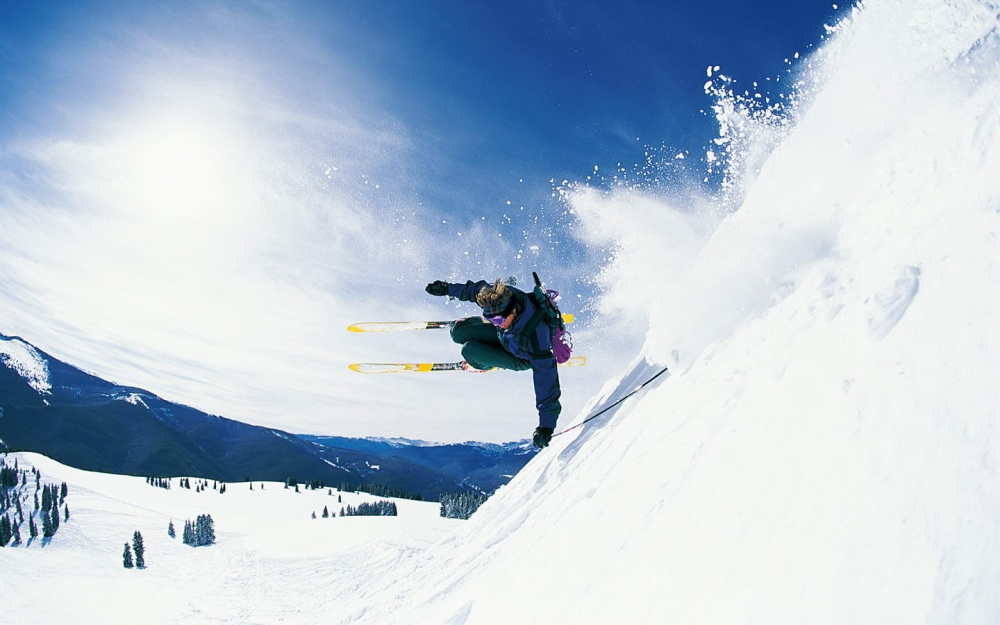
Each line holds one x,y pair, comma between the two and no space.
271,563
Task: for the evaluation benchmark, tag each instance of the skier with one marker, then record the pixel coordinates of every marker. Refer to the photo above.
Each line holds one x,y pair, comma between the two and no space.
511,334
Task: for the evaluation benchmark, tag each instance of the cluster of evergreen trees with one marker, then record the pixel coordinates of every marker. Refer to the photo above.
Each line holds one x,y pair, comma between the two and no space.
14,489
140,553
52,497
293,482
199,533
199,485
378,508
10,476
379,490
9,531
161,482
461,505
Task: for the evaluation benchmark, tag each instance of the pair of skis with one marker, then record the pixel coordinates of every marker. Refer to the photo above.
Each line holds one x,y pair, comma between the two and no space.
420,367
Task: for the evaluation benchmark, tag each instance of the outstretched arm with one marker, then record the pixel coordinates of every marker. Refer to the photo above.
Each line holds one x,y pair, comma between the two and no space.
466,292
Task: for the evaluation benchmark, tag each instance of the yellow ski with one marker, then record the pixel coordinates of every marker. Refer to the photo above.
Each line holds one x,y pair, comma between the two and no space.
419,367
404,326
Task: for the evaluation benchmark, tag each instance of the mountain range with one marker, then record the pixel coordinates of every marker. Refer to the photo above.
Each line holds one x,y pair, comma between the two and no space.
54,408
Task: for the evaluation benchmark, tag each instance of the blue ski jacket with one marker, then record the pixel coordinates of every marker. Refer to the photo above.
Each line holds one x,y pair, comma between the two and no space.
530,339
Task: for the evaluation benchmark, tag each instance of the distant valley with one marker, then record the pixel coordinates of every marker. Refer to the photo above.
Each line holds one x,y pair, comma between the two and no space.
51,407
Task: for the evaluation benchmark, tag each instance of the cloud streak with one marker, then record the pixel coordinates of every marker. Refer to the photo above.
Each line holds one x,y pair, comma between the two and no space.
217,194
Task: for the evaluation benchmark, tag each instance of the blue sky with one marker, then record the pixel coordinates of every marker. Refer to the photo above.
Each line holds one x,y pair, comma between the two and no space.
198,197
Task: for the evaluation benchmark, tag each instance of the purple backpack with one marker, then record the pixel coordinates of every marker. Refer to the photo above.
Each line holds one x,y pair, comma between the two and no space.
562,341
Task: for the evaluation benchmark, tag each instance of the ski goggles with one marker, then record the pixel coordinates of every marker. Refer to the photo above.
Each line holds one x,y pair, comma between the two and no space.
497,317
496,320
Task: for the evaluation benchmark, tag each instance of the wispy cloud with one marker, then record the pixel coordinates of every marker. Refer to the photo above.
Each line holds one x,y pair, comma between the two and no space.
219,196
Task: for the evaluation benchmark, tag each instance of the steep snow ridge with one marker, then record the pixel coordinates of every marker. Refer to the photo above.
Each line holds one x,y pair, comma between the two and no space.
27,362
827,450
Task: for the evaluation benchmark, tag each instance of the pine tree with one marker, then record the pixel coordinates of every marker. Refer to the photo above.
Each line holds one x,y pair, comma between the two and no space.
5,532
326,513
314,514
127,557
46,499
66,512
137,545
32,528
208,530
64,490
201,532
17,533
170,530
47,530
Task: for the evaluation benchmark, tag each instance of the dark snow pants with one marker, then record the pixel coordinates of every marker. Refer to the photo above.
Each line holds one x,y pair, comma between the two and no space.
481,346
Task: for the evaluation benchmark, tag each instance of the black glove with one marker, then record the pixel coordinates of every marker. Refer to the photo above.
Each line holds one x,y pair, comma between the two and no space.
542,437
437,288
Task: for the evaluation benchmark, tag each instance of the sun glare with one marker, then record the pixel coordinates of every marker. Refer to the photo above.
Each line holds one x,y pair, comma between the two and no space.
180,170
178,198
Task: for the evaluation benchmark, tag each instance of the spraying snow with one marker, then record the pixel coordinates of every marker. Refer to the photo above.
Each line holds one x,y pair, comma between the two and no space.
828,451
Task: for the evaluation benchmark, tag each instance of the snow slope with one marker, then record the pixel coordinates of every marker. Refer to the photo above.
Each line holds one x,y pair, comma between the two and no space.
27,362
827,448
272,562
824,451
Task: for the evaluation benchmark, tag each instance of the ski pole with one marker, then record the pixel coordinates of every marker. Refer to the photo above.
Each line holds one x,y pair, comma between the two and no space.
609,407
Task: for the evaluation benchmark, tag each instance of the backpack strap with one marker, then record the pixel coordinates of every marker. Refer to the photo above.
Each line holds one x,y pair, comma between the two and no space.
529,332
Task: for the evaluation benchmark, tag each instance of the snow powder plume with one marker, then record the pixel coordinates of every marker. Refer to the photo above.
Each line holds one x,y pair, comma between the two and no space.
27,362
827,450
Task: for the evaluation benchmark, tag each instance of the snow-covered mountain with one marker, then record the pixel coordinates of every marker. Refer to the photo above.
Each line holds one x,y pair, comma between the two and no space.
482,466
51,407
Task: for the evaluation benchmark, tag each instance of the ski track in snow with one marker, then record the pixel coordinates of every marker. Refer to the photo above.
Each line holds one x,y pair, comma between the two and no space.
890,304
